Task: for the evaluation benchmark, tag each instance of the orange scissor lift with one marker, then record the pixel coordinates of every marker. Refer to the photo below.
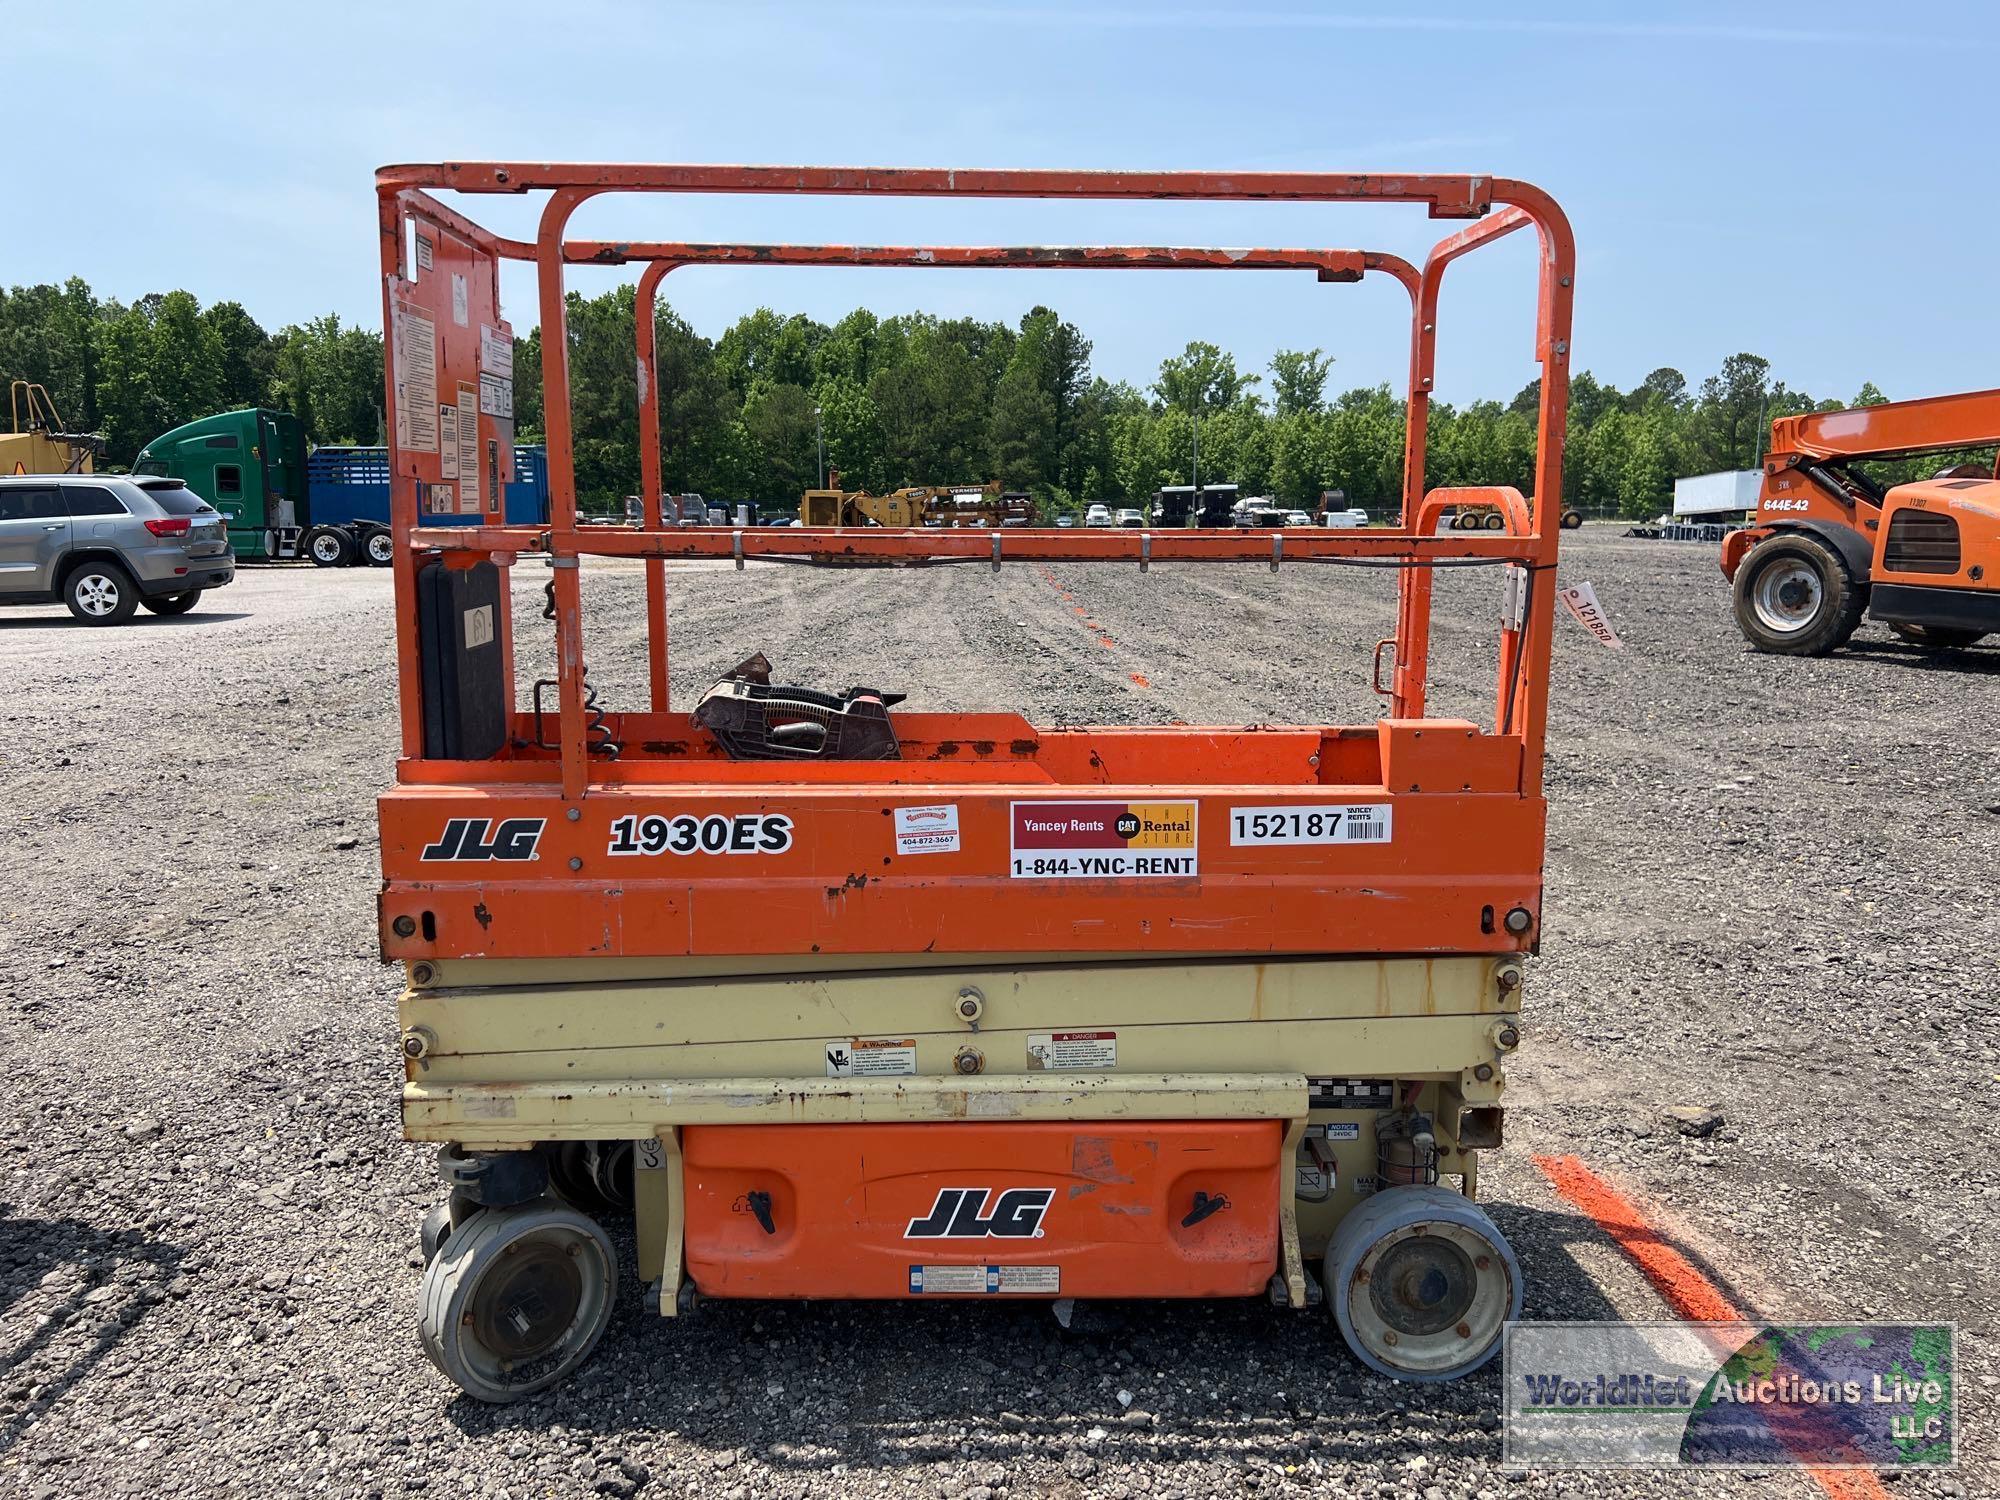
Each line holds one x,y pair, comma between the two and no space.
1012,1011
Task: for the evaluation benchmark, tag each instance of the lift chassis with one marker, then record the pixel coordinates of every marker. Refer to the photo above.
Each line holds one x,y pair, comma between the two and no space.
1019,1012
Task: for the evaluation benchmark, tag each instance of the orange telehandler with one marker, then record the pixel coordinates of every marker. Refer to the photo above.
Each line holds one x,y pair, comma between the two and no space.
1830,542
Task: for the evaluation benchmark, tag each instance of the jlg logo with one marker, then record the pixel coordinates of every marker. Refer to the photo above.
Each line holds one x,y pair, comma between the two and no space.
1017,1215
465,838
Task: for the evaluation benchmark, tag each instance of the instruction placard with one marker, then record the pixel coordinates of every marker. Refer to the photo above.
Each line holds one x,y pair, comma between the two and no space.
1072,1051
496,396
1103,841
871,1057
1032,1281
468,449
414,337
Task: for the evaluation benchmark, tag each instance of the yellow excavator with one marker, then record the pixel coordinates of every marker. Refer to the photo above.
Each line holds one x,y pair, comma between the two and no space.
38,443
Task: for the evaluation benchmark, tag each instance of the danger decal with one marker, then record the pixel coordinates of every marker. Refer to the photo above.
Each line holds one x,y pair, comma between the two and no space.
1103,841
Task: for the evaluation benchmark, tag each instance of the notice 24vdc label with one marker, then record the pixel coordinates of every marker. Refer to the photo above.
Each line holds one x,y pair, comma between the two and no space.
1103,841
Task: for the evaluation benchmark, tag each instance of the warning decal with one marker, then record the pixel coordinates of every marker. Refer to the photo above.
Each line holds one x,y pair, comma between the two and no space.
871,1057
415,352
1103,841
1033,1281
1072,1051
467,428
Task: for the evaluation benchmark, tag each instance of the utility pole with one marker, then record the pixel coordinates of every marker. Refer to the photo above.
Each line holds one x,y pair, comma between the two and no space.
819,436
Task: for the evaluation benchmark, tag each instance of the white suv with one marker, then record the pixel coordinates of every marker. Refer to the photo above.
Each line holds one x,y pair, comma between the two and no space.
1097,515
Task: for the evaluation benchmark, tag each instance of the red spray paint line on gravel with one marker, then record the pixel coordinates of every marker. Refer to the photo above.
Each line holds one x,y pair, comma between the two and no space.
1689,1293
1138,679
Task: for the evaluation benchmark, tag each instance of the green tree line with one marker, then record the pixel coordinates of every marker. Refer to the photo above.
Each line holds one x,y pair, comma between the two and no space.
905,399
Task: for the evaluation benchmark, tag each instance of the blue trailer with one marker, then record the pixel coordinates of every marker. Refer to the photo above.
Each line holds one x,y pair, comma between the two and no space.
347,492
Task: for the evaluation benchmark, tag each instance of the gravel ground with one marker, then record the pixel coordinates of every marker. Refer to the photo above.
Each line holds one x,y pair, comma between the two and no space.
1770,893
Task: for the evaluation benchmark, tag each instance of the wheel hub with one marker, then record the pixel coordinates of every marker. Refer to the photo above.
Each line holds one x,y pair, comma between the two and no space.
98,595
1422,1286
528,1303
1787,596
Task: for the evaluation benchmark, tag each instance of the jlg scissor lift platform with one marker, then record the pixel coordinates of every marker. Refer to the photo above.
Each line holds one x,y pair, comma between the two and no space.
1021,1012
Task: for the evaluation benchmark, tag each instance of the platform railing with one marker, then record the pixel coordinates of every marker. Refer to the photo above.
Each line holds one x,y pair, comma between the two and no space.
1500,206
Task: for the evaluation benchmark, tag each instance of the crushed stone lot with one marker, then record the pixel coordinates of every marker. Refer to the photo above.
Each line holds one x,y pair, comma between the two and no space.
1771,895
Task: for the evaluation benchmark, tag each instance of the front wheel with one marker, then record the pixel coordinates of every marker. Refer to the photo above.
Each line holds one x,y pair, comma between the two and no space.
1422,1283
514,1299
1939,637
1795,597
173,604
1571,520
100,593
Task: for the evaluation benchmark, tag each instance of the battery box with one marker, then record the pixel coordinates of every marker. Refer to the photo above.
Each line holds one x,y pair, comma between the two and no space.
1070,1209
465,686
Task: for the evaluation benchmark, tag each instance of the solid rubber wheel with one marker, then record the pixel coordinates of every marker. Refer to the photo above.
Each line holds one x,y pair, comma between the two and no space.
1571,520
516,1299
99,593
173,604
329,548
379,548
1421,1283
1939,637
434,1231
1795,597
1494,521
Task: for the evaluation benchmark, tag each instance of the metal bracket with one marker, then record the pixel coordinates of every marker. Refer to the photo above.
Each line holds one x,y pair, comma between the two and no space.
1291,1259
996,551
1513,597
1145,552
736,547
1277,549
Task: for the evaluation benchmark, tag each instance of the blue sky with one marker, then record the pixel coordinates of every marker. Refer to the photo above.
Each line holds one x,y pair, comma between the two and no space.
1809,183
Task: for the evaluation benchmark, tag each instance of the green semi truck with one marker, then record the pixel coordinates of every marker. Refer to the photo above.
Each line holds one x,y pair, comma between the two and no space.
329,505
251,466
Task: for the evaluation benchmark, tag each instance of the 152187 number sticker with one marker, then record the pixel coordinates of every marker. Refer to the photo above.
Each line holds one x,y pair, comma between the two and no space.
739,833
1322,823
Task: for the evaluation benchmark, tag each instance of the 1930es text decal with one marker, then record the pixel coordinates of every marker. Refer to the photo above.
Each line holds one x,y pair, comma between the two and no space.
738,833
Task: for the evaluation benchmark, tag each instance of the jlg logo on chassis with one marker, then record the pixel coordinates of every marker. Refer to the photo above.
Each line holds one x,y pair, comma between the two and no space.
956,1215
466,838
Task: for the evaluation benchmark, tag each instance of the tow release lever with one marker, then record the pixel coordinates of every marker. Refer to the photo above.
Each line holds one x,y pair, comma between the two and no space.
760,1205
1204,1206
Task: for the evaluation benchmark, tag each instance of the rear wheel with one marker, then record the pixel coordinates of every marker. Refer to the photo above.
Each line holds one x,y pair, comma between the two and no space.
1494,521
329,547
1422,1284
173,604
379,547
100,593
1571,520
1939,637
516,1298
1795,597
